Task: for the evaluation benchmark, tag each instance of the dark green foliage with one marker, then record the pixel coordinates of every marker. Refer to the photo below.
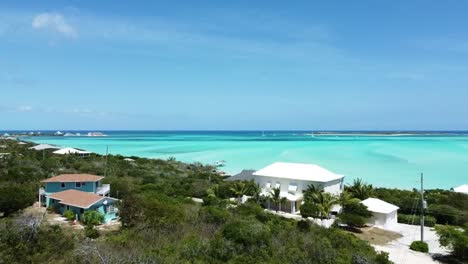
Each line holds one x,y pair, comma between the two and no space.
46,244
92,218
360,190
16,196
309,210
419,246
248,232
455,239
213,214
446,207
91,232
303,225
429,221
354,214
70,215
160,225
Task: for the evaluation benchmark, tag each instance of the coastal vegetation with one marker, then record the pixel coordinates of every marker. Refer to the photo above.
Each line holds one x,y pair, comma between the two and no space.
160,224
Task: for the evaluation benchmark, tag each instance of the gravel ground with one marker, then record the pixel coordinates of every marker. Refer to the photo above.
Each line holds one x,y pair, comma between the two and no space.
399,251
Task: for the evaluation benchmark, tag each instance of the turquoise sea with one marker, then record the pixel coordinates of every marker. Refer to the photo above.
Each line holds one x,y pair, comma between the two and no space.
388,161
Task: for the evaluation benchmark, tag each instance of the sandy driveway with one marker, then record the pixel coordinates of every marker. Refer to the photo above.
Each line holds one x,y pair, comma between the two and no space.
399,251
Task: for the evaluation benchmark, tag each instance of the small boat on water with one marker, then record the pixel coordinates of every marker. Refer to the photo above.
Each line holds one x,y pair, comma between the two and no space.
220,163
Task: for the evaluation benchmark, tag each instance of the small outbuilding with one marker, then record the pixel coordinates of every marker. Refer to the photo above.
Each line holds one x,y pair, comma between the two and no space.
461,189
384,214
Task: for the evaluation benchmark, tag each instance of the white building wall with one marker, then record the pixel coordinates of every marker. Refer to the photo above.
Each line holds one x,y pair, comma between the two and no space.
383,220
334,187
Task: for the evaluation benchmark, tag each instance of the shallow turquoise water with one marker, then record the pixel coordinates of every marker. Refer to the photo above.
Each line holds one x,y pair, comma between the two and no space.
394,161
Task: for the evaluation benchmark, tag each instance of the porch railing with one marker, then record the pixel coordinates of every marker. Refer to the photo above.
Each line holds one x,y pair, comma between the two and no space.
103,190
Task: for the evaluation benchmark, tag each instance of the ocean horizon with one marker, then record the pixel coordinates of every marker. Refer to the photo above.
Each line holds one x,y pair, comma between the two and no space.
394,161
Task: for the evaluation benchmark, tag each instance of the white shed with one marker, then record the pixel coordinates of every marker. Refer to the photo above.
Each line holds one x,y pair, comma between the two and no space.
383,214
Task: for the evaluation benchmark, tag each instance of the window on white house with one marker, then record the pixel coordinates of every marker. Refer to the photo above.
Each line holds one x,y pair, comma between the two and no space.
292,188
268,185
277,185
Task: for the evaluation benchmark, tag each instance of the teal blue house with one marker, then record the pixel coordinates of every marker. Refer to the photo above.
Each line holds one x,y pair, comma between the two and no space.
78,193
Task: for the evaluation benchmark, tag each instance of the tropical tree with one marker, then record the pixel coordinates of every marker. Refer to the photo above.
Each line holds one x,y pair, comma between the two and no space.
239,189
326,203
275,197
255,190
312,193
455,239
354,214
361,190
346,197
317,203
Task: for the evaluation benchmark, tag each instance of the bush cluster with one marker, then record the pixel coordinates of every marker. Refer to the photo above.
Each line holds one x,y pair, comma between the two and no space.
419,246
429,221
70,215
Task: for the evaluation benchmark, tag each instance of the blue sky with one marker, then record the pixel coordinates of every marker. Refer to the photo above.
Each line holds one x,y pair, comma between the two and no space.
234,65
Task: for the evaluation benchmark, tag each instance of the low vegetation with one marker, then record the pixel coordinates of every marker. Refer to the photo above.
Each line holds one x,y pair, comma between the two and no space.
419,246
159,223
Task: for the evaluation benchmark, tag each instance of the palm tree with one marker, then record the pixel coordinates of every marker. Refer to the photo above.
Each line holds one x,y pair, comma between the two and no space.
326,203
239,189
255,190
312,193
275,197
346,197
282,201
361,190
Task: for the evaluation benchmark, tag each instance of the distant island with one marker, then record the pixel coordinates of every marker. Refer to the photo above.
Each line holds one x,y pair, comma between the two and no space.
388,133
57,134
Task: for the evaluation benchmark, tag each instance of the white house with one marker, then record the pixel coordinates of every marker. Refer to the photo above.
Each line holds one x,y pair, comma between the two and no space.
294,178
43,147
461,189
66,151
384,214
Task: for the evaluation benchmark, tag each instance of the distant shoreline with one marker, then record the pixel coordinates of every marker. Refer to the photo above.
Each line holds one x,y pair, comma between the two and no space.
388,133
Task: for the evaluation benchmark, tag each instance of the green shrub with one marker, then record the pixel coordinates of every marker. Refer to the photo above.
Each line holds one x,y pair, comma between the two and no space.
91,232
303,225
355,214
248,232
92,218
309,209
429,221
213,214
419,246
70,215
455,239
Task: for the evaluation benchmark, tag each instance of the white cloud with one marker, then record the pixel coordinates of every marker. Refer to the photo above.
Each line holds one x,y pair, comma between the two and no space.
55,22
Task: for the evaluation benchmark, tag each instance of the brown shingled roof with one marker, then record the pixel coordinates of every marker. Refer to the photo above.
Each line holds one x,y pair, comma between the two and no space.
77,198
74,178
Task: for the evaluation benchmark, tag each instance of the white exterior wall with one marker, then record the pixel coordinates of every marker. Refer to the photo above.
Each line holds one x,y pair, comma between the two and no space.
334,187
383,220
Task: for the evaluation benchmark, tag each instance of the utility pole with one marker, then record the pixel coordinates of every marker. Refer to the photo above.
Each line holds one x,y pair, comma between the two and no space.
423,205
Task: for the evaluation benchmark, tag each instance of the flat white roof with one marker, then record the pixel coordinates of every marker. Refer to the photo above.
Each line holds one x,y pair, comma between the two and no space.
70,151
461,189
379,206
298,171
43,146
